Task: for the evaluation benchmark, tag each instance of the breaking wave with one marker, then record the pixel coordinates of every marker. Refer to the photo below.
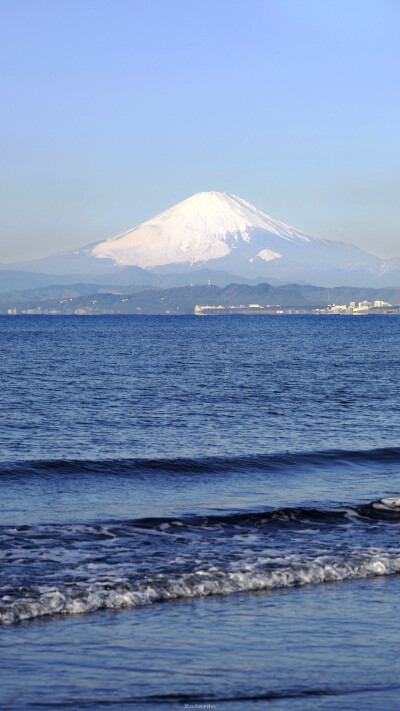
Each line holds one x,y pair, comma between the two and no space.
59,569
201,583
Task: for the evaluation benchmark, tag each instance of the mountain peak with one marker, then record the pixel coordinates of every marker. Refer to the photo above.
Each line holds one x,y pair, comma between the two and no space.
220,233
207,225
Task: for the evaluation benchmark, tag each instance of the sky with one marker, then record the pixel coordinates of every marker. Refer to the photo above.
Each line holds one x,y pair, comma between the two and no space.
115,110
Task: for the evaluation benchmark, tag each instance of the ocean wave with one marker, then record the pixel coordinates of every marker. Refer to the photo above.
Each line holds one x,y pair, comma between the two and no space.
385,509
201,583
58,568
222,464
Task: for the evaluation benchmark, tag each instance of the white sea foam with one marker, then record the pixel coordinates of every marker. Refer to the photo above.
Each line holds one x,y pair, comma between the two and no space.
213,581
390,503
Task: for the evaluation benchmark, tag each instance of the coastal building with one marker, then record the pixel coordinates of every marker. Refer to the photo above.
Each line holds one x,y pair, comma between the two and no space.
363,308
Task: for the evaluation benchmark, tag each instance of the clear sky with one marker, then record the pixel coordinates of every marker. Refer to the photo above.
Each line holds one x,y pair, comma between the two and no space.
114,110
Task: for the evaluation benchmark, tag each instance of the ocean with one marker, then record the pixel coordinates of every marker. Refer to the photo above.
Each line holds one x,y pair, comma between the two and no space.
199,512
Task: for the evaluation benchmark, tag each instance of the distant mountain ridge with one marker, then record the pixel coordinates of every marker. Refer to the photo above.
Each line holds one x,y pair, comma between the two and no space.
220,233
182,300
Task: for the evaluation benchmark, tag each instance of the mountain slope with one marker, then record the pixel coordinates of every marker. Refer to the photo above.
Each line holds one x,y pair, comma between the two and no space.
227,233
221,233
204,227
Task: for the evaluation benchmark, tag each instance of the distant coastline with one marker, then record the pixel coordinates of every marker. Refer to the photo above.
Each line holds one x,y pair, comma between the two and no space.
203,300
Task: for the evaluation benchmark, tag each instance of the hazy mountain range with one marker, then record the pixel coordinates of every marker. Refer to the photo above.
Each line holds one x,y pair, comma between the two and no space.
84,299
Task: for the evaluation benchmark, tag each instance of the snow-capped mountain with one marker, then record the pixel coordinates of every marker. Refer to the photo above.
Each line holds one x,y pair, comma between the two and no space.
222,233
207,226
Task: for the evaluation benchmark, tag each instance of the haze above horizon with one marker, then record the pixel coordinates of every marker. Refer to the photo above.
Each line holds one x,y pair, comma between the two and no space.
116,112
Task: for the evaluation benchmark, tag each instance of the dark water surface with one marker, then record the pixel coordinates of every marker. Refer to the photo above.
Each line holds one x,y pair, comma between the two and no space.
199,511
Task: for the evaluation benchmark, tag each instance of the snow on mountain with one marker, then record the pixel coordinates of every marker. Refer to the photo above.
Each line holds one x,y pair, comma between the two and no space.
267,255
206,226
227,233
214,233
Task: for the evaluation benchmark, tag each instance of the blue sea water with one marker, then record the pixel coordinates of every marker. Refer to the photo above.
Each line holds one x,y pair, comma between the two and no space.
199,512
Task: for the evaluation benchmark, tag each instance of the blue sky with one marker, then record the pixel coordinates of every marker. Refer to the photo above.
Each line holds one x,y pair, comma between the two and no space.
115,110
